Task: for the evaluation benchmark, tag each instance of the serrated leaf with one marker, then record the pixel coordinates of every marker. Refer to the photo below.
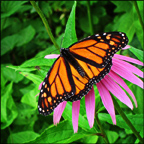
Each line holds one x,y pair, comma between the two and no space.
70,33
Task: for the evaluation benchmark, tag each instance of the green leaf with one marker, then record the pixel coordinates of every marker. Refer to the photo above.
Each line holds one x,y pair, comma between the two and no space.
21,69
30,97
27,89
19,39
34,78
136,120
26,114
11,74
138,53
62,133
137,24
84,25
8,108
25,35
125,23
112,136
139,32
99,11
38,62
10,7
8,43
138,92
122,6
3,80
70,33
22,137
5,96
90,139
5,22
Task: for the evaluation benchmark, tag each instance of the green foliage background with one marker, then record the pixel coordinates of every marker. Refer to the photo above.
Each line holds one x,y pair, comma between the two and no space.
25,42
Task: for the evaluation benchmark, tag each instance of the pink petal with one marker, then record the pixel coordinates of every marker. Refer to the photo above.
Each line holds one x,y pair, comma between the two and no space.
125,73
90,106
37,95
129,59
130,67
58,112
121,82
107,100
40,85
126,47
117,91
51,56
75,115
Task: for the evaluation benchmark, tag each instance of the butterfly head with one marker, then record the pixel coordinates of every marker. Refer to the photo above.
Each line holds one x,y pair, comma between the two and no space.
61,50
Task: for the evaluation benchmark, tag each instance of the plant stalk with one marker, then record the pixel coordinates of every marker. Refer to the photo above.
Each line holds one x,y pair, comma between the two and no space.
45,23
122,114
90,18
139,15
101,129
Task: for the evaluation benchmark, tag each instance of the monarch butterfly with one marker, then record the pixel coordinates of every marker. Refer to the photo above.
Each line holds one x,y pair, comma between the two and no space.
77,68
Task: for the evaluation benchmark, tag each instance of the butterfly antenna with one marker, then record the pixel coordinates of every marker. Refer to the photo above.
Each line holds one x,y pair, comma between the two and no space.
60,45
52,51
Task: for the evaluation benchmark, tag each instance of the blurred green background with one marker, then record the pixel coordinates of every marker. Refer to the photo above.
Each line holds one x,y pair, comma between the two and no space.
25,42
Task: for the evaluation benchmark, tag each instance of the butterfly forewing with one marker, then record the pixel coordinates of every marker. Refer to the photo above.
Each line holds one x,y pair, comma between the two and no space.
98,49
58,86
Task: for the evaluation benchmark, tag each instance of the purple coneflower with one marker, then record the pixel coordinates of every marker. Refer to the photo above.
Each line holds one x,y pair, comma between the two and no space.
110,83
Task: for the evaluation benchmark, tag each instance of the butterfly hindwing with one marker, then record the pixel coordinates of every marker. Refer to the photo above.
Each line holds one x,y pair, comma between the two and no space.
94,76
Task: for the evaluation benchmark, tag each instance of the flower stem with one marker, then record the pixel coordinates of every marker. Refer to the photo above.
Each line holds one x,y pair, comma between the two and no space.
90,18
138,13
45,23
101,129
122,114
